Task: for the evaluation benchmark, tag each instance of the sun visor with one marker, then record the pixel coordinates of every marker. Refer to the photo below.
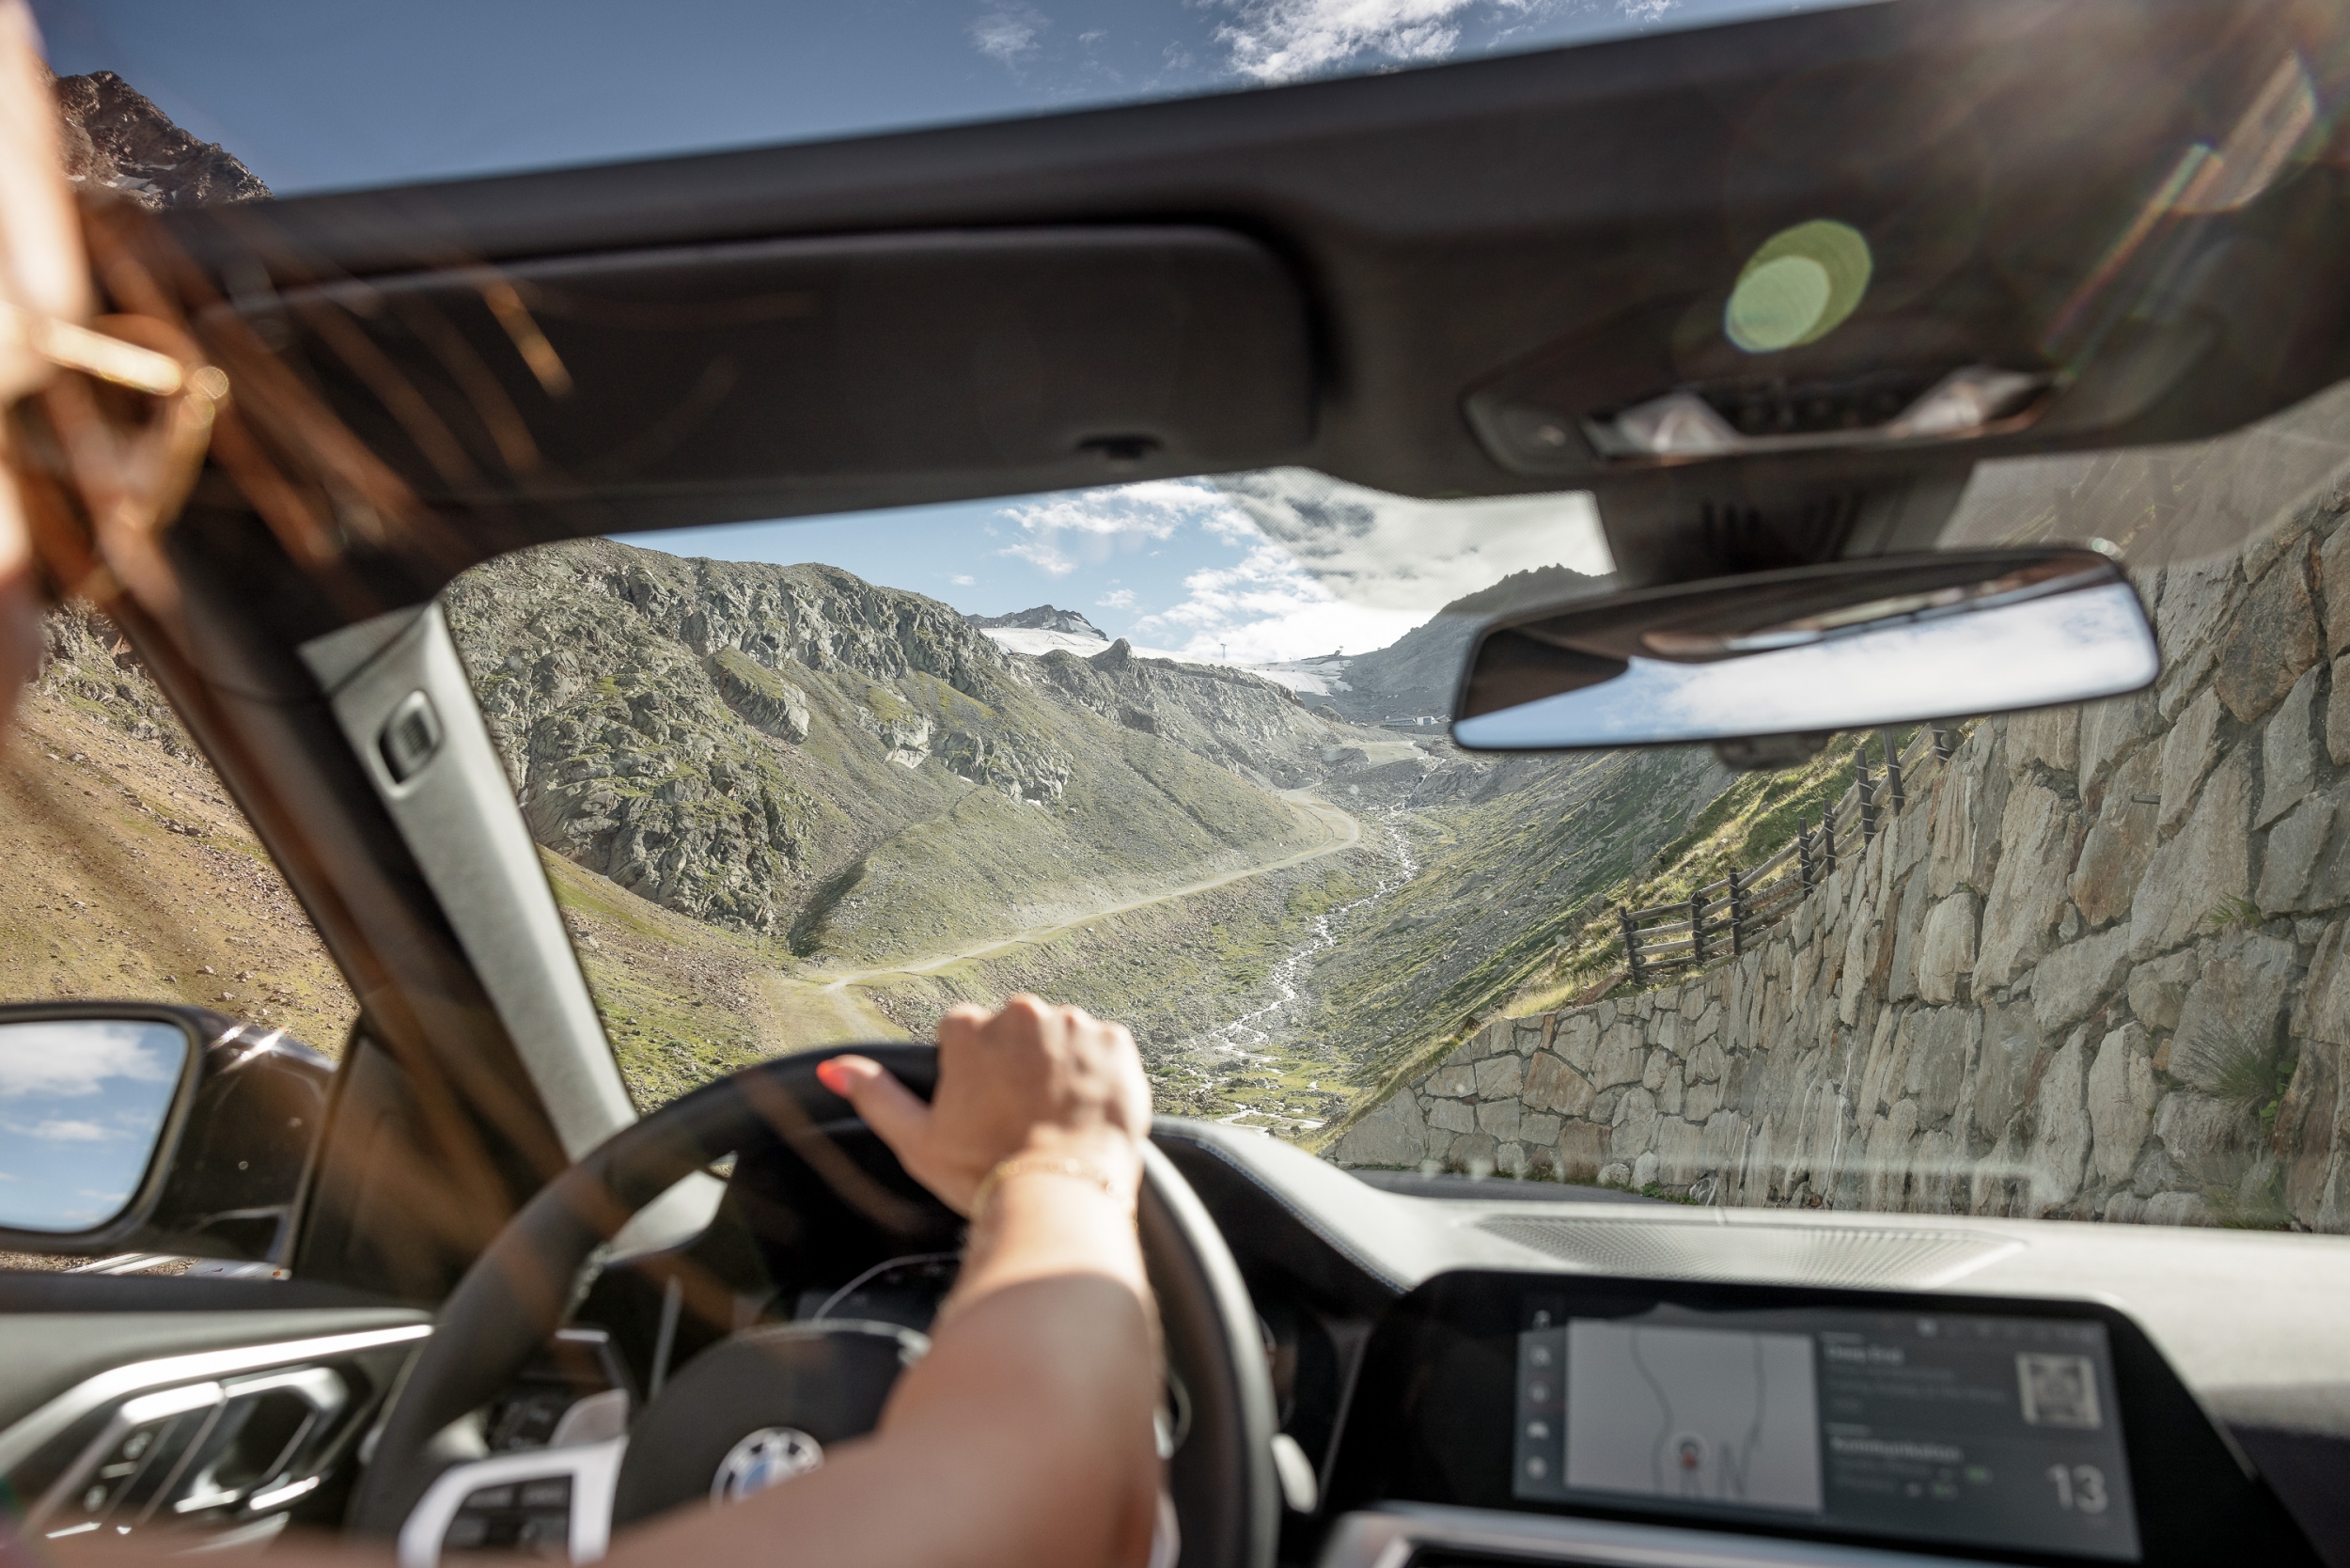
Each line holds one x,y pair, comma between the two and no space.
713,383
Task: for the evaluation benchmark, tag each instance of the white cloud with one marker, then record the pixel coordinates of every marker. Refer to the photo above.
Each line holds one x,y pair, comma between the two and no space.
1006,34
1150,509
1395,553
1323,565
1268,610
78,1058
56,1131
1279,41
1065,530
1041,554
962,579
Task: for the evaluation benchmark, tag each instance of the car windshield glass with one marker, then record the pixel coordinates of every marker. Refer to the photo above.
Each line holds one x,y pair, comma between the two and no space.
1176,751
318,98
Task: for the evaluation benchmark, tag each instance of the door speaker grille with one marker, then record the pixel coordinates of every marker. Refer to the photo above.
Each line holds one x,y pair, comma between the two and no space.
1777,1254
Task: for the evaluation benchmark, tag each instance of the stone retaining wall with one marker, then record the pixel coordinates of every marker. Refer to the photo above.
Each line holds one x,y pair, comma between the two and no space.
2097,970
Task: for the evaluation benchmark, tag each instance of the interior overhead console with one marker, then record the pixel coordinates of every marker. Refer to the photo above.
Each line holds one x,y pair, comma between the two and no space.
1679,427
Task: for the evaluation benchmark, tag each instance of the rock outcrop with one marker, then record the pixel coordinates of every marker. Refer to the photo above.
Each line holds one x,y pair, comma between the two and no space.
1258,729
1043,617
113,136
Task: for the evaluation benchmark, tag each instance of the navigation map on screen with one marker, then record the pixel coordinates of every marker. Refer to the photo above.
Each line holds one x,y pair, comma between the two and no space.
1999,1432
1697,1413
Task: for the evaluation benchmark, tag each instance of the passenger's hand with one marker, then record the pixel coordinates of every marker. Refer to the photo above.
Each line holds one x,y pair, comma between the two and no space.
1029,1080
43,277
20,611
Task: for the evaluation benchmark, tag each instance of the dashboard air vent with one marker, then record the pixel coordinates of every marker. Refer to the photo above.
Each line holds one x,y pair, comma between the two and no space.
1764,1254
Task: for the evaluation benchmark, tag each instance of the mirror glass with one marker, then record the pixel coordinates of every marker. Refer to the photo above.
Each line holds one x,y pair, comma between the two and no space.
83,1102
1807,652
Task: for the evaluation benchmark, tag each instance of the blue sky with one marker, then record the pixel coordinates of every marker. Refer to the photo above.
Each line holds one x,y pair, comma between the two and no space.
314,95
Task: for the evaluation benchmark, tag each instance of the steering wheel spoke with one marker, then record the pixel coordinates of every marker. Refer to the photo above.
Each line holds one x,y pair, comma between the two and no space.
540,1501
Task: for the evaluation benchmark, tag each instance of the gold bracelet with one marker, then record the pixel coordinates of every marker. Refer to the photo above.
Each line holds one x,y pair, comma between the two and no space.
1040,1164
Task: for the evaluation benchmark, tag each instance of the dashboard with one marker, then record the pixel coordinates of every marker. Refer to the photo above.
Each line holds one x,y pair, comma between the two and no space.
1507,1378
1466,1377
1499,1377
2049,1431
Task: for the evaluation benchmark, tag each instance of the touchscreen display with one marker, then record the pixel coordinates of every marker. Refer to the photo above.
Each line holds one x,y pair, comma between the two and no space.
1986,1431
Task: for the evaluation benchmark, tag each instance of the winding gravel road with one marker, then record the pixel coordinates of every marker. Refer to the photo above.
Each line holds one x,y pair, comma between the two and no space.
834,1006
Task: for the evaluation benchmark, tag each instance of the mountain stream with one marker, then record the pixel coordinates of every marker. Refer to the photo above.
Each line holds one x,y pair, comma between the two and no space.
1232,1043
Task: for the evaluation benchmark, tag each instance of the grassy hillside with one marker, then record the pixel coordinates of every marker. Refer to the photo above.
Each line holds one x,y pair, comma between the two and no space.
137,877
1507,876
790,752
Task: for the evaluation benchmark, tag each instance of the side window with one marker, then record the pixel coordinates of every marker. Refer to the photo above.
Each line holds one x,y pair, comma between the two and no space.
135,875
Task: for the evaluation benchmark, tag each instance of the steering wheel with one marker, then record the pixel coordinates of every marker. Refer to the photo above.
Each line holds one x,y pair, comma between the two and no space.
766,1389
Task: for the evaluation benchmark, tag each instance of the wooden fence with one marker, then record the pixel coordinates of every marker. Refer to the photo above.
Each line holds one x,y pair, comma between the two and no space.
1721,917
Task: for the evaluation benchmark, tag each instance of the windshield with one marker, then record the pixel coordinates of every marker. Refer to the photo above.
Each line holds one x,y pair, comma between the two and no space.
1177,752
318,98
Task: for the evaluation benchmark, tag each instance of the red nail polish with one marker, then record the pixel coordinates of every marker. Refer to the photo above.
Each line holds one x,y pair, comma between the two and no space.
833,1076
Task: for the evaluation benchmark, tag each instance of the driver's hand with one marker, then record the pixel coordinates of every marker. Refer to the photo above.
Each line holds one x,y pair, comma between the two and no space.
1028,1079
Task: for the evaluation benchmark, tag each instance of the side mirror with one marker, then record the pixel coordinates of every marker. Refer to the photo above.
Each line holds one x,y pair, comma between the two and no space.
129,1126
1768,665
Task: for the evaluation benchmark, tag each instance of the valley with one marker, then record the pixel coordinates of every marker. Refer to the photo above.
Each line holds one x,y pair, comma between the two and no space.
900,810
781,807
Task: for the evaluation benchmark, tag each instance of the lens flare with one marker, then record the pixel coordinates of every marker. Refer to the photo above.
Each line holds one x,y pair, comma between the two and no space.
1797,287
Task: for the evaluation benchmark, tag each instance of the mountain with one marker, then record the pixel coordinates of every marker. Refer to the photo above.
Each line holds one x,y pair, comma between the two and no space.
794,753
1043,618
1416,675
112,136
1041,630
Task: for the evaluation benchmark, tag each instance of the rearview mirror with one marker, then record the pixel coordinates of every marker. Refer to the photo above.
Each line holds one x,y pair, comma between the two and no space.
1769,664
139,1126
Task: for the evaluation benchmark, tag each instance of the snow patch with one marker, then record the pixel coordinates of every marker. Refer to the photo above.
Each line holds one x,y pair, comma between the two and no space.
1306,677
1036,643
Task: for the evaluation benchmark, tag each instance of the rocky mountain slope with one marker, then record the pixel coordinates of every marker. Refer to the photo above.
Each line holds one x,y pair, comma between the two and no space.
135,875
1043,617
114,136
791,752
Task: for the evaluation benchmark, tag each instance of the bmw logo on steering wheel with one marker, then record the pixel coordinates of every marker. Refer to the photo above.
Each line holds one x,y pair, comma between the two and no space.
767,1457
